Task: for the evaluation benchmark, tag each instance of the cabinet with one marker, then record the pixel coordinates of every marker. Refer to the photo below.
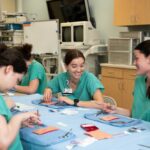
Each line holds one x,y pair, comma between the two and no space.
119,83
131,12
8,5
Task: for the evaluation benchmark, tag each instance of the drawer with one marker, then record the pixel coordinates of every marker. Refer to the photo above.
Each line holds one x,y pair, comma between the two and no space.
129,73
112,72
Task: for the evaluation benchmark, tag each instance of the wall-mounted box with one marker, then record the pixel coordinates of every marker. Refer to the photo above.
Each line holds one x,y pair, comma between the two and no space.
120,50
133,34
125,58
122,44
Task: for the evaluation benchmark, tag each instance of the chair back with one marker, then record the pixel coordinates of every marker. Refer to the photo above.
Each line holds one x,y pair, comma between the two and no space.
110,100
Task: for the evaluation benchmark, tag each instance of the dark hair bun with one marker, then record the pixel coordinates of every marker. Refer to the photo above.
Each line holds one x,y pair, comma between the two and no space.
25,50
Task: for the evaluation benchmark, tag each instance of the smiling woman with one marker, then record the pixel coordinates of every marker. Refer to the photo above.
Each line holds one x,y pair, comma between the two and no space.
77,86
141,92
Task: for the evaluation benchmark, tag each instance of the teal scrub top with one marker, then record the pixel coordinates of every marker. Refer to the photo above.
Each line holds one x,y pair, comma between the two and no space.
4,111
141,103
35,71
87,86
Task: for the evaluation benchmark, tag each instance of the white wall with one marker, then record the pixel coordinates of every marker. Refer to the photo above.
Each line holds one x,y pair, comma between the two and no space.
35,9
102,11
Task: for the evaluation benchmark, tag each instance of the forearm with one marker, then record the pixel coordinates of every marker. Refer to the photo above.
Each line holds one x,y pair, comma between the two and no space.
9,132
14,126
81,103
25,89
123,111
97,101
90,104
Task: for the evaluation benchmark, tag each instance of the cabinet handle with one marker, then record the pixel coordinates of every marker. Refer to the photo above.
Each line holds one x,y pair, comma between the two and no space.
132,19
110,73
120,86
136,19
132,75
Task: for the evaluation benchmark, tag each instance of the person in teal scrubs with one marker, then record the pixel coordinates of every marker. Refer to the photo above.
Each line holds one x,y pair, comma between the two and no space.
141,92
34,80
12,68
77,86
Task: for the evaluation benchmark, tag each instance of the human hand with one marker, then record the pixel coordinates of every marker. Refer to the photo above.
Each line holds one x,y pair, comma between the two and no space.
65,99
10,103
28,119
106,107
109,108
47,95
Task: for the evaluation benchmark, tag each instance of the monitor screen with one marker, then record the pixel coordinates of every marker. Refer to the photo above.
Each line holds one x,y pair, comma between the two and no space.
78,33
54,10
66,34
75,10
68,10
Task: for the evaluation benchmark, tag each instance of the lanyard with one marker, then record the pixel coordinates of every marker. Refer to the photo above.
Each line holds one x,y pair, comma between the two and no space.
67,90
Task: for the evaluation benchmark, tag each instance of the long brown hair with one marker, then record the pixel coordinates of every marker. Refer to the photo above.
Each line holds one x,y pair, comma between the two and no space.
72,54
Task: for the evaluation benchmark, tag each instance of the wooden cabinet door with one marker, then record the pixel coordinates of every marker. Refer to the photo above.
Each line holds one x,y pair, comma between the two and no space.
127,95
131,12
113,88
123,12
128,85
142,10
119,84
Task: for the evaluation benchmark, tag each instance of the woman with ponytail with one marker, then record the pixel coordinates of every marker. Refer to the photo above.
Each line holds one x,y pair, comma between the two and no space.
34,80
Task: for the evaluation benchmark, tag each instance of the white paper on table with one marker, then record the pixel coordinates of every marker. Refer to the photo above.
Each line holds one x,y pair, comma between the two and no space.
62,124
69,112
10,93
87,141
80,142
23,107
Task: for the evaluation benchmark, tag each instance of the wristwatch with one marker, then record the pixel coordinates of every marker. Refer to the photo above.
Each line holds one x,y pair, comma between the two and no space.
76,101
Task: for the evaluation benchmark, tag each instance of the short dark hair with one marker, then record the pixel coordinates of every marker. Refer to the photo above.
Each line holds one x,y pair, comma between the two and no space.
144,47
25,49
11,56
72,54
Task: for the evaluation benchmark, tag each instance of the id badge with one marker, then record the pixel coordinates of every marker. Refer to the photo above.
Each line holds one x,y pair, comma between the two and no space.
67,91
